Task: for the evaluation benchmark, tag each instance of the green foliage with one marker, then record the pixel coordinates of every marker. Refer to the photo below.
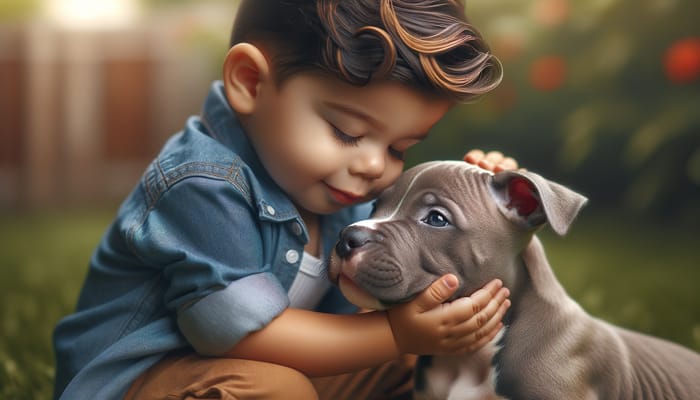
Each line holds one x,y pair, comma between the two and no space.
616,128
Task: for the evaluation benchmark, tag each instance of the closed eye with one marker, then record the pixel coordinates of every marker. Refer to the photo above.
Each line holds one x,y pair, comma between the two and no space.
344,138
350,140
399,155
436,219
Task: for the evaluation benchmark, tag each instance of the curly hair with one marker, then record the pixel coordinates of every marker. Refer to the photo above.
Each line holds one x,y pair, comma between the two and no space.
426,44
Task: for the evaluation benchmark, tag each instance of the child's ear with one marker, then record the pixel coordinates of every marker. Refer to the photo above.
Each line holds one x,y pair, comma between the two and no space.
245,69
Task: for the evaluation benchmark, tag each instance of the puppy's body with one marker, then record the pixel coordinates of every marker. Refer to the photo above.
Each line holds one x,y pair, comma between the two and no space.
450,217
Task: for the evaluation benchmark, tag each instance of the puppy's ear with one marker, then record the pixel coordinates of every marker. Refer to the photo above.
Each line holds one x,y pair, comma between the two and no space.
529,200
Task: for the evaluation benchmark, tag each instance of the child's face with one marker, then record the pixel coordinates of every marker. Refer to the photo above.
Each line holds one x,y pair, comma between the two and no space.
329,144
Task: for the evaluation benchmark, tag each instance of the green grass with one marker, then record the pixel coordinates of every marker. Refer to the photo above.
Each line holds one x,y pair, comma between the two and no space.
43,260
637,275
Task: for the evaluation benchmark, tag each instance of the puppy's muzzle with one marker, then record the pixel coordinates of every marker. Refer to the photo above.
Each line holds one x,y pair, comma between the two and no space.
353,238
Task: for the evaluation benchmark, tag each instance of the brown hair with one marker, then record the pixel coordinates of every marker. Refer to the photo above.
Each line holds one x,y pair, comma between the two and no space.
427,44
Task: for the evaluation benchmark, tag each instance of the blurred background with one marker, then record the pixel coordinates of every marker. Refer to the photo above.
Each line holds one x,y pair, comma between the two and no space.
601,95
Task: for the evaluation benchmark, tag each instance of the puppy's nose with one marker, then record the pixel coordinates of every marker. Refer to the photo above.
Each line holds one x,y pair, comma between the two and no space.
351,238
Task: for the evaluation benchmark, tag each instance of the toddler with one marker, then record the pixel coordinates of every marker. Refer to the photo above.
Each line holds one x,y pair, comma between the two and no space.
210,282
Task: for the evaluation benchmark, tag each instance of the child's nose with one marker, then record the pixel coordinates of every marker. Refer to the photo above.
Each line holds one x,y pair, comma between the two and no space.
369,164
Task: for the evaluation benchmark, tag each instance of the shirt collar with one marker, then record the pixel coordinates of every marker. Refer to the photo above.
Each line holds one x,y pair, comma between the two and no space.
222,124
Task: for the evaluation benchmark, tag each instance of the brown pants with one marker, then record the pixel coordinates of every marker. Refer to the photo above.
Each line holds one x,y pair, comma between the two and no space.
185,375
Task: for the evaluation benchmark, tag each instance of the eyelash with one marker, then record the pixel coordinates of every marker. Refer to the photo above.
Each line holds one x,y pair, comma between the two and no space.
396,154
344,138
349,140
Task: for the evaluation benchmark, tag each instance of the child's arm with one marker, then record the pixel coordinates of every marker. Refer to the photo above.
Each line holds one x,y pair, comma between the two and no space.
325,344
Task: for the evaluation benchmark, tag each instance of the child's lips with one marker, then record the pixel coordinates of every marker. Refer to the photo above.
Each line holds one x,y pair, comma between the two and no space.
343,197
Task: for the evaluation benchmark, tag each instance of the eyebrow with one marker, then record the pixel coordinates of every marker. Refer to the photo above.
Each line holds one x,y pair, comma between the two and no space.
355,113
366,117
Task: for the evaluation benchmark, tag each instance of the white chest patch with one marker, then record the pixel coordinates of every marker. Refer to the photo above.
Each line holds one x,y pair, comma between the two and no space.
462,377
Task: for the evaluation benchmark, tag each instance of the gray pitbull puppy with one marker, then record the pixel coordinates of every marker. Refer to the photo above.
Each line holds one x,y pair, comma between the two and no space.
452,217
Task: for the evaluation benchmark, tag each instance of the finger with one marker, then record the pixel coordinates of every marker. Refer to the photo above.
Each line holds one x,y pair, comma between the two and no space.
495,324
491,317
483,340
474,156
478,338
482,296
473,341
492,313
494,156
490,160
507,164
437,293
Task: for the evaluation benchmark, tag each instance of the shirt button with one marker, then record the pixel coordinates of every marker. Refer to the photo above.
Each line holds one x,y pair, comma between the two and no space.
296,228
292,256
270,210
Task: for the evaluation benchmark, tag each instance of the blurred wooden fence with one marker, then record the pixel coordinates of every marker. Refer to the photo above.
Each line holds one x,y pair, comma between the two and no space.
82,112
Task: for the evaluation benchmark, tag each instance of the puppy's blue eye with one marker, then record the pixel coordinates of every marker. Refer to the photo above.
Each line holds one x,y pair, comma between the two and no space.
435,218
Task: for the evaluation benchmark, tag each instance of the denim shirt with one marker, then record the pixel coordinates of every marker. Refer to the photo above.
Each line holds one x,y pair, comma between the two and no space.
201,254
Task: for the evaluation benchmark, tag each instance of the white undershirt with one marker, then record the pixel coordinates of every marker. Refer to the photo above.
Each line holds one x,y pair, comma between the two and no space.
310,284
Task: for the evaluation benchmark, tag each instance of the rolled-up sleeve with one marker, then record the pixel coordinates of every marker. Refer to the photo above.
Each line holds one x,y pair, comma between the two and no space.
206,240
214,324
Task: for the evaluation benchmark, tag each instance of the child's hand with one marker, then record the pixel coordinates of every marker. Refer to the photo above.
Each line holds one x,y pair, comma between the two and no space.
426,325
493,161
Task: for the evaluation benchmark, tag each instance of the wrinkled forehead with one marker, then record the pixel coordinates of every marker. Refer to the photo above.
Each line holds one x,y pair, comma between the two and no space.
437,176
